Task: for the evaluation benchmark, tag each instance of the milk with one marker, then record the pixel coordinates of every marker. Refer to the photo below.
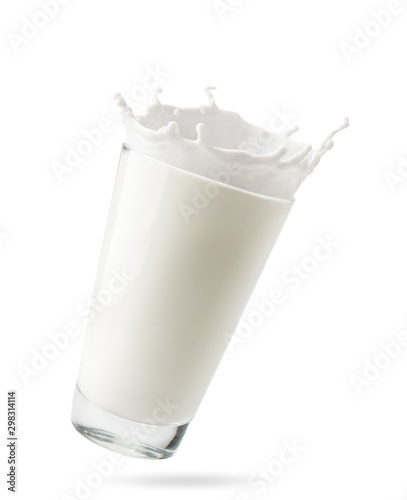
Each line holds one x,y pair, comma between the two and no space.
192,223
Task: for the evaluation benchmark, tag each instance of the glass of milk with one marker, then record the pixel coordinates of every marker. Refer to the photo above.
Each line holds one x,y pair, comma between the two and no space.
181,256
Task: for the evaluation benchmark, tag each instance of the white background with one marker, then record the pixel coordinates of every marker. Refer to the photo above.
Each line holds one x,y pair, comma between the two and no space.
291,378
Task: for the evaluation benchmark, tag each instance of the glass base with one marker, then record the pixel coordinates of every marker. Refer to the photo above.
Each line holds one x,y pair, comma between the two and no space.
124,436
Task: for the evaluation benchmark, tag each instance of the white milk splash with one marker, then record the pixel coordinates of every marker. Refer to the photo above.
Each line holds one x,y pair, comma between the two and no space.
205,140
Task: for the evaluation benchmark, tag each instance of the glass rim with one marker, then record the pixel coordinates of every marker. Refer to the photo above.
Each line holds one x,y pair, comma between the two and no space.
214,181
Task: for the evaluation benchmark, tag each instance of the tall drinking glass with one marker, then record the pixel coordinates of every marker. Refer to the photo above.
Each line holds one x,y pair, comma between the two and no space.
180,258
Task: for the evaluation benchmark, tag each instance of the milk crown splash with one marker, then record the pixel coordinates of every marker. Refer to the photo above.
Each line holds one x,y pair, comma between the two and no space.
207,139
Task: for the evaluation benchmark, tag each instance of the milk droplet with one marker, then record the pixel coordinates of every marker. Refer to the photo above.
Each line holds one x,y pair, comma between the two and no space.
211,99
157,91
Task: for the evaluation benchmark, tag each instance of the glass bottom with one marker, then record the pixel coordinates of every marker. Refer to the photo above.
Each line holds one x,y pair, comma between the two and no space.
124,436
